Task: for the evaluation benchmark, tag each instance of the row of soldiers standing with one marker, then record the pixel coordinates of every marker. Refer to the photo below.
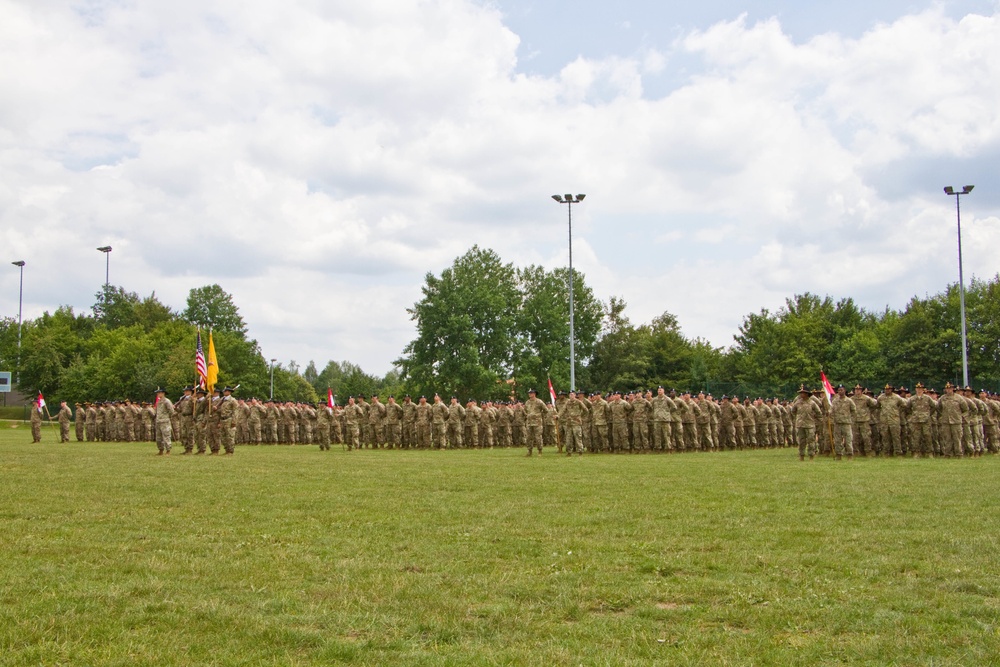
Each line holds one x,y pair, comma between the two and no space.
633,422
955,424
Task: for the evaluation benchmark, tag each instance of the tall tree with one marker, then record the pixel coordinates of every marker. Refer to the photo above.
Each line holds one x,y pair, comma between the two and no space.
466,327
543,326
211,307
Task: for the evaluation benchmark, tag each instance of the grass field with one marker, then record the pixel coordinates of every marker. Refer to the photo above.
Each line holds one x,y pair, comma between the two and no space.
110,555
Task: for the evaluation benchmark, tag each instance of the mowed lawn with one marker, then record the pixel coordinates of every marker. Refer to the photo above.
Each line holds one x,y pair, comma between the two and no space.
110,555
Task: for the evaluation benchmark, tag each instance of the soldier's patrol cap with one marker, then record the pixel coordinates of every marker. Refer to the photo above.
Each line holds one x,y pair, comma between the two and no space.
840,386
374,396
532,391
188,388
160,390
216,391
229,389
406,396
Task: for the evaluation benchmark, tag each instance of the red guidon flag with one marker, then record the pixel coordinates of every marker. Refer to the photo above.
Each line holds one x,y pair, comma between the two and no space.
329,397
40,403
827,387
552,392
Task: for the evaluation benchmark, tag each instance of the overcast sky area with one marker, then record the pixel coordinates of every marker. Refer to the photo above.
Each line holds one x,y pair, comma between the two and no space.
318,159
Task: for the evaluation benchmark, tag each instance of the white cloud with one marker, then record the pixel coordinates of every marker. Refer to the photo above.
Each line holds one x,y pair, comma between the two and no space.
317,159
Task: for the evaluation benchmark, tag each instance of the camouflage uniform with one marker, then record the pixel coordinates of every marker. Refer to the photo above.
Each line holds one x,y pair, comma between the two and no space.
806,413
64,417
164,427
951,410
535,411
572,414
890,407
844,412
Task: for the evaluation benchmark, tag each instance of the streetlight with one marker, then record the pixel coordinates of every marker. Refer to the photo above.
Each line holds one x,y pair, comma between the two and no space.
272,378
106,249
20,300
569,200
961,281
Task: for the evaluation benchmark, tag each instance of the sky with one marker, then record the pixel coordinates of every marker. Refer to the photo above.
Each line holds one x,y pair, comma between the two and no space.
317,159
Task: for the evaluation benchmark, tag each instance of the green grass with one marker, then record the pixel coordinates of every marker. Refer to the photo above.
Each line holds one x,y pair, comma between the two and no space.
110,555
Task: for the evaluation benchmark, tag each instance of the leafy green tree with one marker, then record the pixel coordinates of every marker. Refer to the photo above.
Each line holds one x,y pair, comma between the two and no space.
330,378
466,328
211,307
543,326
115,307
622,356
311,375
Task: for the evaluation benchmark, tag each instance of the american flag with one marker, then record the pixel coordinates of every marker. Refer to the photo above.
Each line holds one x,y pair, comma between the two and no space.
199,363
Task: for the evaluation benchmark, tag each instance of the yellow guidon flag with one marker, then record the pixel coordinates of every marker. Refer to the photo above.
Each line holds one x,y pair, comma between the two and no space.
213,365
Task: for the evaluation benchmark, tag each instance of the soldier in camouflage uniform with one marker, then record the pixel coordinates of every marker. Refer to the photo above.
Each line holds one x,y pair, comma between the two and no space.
920,408
324,417
641,412
689,421
353,417
393,423
952,409
844,412
535,411
185,407
572,416
409,422
473,413
456,425
620,411
423,423
599,412
706,441
890,408
80,420
439,423
164,429
806,414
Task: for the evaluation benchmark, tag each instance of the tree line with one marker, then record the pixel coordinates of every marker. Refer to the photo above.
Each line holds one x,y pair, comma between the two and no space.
488,329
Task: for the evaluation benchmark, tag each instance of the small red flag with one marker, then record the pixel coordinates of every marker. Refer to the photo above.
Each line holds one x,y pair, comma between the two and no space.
552,393
827,387
329,397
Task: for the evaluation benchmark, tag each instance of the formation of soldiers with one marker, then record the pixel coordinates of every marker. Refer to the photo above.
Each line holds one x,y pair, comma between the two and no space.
959,422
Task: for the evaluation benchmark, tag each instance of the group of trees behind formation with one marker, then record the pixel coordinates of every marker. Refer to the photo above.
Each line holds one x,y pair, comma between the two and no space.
486,329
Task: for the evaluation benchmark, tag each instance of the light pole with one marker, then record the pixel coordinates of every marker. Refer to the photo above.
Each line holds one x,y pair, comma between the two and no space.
20,300
569,200
272,378
106,249
961,280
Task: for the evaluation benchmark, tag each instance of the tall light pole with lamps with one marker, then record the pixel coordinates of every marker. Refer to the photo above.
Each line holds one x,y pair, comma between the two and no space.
569,200
20,300
961,279
106,249
272,378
